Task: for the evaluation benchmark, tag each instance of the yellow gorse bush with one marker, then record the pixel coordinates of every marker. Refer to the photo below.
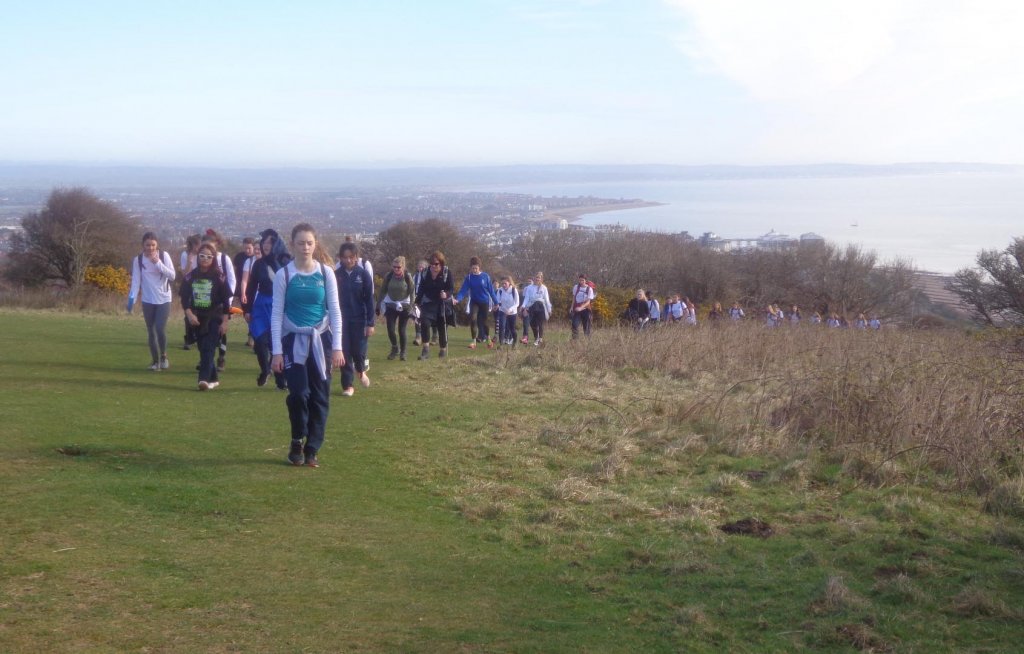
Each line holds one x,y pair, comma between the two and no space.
108,278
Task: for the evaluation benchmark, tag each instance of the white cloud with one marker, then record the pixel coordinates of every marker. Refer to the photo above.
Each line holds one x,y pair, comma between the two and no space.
870,79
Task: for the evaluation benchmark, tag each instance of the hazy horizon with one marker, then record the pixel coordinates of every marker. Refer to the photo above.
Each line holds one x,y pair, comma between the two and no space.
319,84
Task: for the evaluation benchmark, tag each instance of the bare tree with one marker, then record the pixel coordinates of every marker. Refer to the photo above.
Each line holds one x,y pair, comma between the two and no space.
415,239
73,231
994,289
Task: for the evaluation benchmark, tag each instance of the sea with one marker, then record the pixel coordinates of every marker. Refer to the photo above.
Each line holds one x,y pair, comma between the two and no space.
937,222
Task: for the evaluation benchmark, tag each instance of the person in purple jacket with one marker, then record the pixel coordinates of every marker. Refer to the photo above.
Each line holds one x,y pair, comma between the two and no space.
477,285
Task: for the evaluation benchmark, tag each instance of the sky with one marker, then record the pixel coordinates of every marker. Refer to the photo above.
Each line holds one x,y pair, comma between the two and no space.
457,82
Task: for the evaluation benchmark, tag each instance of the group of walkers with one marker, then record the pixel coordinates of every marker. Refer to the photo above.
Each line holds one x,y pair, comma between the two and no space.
644,311
308,315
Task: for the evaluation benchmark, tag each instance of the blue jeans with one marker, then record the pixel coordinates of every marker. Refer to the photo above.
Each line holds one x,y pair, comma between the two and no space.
308,395
506,328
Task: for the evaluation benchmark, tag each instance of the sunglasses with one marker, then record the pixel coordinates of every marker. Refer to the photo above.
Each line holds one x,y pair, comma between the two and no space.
206,257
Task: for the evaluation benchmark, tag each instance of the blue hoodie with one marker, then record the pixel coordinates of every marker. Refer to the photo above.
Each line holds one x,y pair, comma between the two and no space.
479,288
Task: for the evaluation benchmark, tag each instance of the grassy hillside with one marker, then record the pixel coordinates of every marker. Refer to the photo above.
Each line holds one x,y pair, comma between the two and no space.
567,499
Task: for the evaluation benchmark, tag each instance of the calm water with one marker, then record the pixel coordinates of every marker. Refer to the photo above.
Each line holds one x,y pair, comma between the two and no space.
939,222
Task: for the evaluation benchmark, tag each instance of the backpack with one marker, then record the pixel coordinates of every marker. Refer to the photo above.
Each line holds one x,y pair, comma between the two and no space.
323,271
410,283
162,255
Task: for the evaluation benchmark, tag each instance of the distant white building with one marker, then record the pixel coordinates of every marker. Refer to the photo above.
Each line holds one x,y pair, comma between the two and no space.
770,240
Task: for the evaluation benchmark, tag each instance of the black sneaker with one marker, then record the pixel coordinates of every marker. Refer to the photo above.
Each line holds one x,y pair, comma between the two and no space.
220,363
393,355
261,379
312,461
295,456
402,356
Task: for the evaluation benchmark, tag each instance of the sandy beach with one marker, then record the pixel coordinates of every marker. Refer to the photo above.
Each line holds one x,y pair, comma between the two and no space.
574,213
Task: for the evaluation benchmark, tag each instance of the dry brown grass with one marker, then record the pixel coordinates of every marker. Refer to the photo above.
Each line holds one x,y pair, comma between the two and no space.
891,406
837,598
85,299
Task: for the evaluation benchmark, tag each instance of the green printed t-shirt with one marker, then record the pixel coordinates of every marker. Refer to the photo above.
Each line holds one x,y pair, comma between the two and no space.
304,301
202,293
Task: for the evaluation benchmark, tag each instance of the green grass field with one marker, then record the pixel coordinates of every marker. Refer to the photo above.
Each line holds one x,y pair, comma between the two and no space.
494,502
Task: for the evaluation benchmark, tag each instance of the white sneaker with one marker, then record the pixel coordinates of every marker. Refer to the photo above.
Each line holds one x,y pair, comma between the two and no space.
164,364
213,385
364,379
204,386
348,392
366,364
155,366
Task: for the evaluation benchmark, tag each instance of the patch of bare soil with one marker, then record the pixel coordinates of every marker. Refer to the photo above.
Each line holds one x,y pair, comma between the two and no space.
748,527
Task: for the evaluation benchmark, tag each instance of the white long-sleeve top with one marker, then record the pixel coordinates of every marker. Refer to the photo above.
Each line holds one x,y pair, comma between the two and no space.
153,279
508,300
277,313
534,293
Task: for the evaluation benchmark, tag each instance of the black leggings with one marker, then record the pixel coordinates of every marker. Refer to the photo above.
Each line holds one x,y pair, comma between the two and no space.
537,320
481,310
393,315
432,317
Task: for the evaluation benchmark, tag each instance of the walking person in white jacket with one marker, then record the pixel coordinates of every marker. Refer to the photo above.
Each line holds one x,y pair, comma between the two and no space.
152,275
537,301
506,309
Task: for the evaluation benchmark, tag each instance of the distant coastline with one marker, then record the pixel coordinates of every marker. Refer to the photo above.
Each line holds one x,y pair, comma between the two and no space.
572,214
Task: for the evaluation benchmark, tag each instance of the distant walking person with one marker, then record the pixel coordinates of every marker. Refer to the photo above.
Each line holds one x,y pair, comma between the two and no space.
422,268
716,313
259,302
538,302
736,312
433,296
478,286
396,301
653,307
675,310
206,299
691,311
506,309
305,322
366,265
524,311
582,314
638,312
355,295
188,263
227,272
152,274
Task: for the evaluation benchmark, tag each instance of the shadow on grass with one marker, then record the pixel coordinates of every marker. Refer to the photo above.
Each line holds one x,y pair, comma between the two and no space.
178,382
121,458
